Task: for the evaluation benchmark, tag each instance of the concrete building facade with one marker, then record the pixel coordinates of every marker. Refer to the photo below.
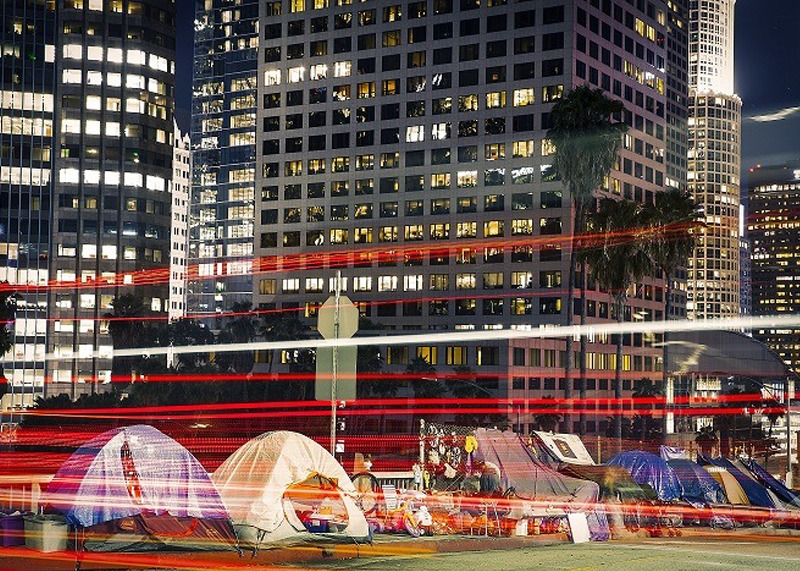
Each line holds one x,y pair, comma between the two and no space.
404,144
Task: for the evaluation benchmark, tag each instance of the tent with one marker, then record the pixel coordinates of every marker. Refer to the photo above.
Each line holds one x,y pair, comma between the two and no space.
766,479
733,491
647,468
283,486
698,487
614,481
568,448
756,493
135,488
532,480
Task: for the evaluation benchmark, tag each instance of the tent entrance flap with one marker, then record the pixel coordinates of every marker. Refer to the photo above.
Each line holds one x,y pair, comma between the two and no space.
317,503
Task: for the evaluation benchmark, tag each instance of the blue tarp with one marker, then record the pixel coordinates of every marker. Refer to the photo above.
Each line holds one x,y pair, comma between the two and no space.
756,493
769,481
130,471
647,468
698,486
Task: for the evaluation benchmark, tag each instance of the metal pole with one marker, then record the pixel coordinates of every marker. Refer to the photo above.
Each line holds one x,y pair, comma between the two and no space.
787,398
334,370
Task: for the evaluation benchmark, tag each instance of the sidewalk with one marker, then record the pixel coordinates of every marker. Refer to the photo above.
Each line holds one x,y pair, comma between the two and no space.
22,559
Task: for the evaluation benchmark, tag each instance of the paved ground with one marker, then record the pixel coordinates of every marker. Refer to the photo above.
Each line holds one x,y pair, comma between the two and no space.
741,549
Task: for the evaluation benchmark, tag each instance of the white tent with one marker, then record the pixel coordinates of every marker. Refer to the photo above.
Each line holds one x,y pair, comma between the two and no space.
283,486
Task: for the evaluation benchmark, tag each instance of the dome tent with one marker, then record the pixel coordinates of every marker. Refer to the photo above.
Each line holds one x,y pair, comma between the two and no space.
284,487
647,468
136,489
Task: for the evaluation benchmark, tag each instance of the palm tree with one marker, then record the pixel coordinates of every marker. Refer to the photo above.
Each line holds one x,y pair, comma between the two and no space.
648,389
617,259
283,327
674,220
587,141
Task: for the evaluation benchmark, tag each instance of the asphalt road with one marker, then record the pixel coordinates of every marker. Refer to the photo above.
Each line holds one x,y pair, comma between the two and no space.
678,554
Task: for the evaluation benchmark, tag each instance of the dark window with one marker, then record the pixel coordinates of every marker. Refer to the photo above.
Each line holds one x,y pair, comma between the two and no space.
525,19
417,34
271,147
414,159
468,52
443,31
272,124
390,136
341,116
296,28
524,70
294,121
365,138
525,45
442,7
316,119
495,74
553,15
551,67
468,77
496,49
521,123
294,98
272,54
319,24
272,100
496,23
340,140
390,62
554,41
366,65
342,45
366,42
272,31
318,95
366,114
442,56
440,156
470,27
295,144
342,21
390,111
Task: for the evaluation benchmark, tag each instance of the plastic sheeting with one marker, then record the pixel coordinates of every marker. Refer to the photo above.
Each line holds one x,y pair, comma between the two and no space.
698,487
770,482
756,493
647,468
532,480
255,478
615,482
91,487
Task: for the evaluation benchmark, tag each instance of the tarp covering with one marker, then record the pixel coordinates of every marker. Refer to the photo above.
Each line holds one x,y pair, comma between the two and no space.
262,482
530,479
770,482
647,468
150,533
756,493
126,471
521,470
697,485
567,448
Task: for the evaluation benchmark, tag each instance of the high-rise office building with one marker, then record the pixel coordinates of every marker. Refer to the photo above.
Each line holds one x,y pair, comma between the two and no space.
179,235
223,135
773,225
88,94
713,274
27,84
405,144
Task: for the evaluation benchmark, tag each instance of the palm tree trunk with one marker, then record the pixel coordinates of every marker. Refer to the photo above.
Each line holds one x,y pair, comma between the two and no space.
665,355
583,349
620,305
569,362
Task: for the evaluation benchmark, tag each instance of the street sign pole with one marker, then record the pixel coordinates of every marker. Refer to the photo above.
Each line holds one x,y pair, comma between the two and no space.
335,369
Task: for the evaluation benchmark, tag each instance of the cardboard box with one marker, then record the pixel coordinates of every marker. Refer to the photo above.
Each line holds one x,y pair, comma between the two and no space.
45,533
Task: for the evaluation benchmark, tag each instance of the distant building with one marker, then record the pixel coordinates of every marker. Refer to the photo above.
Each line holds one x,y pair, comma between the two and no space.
406,145
223,132
180,187
86,104
773,225
713,273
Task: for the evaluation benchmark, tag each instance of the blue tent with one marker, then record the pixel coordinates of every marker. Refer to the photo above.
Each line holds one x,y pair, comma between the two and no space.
768,480
647,468
697,485
756,493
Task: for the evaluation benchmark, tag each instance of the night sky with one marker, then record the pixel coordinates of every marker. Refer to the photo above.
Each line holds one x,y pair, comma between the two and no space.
767,77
